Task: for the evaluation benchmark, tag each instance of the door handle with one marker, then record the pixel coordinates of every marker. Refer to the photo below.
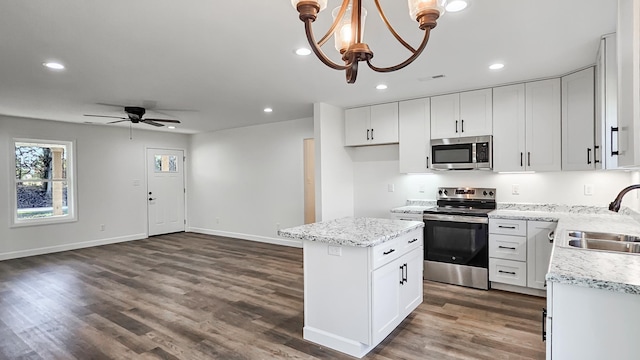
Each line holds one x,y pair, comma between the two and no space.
595,153
462,125
371,134
427,162
151,199
456,126
544,324
588,156
550,236
617,152
367,134
529,158
521,163
507,272
506,247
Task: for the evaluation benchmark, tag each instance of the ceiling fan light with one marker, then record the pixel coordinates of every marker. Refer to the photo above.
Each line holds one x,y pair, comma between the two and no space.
416,7
344,31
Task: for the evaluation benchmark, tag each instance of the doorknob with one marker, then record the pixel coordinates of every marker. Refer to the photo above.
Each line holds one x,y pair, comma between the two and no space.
151,199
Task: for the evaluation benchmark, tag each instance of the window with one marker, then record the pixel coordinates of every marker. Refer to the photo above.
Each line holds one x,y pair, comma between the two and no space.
43,191
166,163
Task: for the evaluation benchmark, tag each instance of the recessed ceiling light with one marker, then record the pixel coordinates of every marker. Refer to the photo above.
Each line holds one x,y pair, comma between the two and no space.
268,110
496,66
171,127
303,52
456,5
54,65
381,87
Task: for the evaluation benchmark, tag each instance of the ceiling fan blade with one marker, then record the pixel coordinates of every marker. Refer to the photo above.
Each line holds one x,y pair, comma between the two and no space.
151,122
116,105
113,122
106,116
164,120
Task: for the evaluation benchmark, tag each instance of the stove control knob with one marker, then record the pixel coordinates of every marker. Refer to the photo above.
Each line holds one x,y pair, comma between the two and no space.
445,192
490,193
484,193
439,192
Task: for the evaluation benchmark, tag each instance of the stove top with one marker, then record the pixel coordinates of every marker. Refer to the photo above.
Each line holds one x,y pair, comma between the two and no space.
464,201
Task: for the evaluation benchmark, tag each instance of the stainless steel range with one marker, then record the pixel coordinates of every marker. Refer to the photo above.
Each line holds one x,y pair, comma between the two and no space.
456,234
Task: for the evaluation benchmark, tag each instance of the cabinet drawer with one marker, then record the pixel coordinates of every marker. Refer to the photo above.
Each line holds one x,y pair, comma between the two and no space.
388,251
411,241
508,227
508,271
508,247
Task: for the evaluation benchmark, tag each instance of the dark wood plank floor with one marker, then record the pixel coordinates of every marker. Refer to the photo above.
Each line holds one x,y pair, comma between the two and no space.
191,296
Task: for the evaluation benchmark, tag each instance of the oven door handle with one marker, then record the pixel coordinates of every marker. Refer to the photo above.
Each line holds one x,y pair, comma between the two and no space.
456,218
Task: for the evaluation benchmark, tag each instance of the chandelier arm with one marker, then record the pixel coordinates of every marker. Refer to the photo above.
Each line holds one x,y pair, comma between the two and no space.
332,29
316,49
403,64
391,29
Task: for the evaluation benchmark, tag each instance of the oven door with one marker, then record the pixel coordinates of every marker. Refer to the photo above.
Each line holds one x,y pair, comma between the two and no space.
457,239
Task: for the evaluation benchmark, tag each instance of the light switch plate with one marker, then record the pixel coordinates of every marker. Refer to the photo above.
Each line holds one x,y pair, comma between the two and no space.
335,250
515,189
391,187
588,189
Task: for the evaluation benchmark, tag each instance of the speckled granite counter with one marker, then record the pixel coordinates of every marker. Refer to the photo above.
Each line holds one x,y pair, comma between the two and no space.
588,268
362,232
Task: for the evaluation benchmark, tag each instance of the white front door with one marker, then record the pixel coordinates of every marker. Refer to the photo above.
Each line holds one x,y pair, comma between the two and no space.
165,191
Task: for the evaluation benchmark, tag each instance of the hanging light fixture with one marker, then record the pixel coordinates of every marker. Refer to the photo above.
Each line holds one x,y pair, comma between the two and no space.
348,29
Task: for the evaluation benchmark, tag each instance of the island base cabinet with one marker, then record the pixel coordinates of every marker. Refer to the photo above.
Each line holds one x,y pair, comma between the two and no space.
587,323
353,300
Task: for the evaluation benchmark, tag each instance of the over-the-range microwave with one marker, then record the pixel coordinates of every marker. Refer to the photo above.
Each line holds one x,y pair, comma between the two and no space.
463,153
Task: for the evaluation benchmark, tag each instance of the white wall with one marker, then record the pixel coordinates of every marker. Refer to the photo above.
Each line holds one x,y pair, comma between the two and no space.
334,166
243,182
376,167
107,163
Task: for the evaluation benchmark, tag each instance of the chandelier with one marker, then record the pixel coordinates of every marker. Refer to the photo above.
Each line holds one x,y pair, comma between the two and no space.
348,28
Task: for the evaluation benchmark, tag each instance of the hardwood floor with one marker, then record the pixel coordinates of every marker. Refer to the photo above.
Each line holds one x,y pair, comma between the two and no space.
191,296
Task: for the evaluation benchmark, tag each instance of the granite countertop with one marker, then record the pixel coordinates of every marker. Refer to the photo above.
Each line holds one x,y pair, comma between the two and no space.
349,231
618,272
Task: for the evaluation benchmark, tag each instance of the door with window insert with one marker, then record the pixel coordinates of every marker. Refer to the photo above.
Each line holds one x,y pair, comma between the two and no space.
165,191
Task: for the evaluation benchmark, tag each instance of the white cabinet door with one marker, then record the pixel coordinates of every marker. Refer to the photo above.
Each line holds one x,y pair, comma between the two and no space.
509,128
543,125
607,104
386,300
578,120
384,123
411,289
415,135
539,248
356,126
445,116
476,117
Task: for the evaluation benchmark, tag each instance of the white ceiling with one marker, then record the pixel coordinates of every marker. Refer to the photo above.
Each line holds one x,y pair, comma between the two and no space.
227,60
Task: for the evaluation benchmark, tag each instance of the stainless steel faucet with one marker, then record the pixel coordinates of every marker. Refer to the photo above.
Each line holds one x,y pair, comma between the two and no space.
615,205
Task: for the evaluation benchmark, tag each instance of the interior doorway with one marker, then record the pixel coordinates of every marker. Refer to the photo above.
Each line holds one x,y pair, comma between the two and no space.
165,191
309,181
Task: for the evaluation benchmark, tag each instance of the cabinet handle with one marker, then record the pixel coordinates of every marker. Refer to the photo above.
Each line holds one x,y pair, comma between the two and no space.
388,252
544,324
412,241
521,164
507,227
550,236
588,156
462,127
595,153
529,158
507,272
406,272
456,126
371,134
506,247
427,162
367,134
617,152
401,274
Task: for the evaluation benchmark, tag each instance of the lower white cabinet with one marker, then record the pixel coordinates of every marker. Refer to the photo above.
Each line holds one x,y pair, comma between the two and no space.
355,296
519,254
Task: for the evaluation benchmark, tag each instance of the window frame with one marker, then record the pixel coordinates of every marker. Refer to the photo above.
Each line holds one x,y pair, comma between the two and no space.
72,214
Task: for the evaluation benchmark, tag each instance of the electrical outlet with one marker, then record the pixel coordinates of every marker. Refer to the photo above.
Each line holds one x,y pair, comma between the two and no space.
588,189
515,189
391,187
421,188
335,250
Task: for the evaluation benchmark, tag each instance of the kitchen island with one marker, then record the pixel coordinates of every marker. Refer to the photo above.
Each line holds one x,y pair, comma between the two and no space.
362,277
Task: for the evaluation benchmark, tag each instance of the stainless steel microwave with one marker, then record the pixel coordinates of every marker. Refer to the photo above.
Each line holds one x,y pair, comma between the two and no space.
463,153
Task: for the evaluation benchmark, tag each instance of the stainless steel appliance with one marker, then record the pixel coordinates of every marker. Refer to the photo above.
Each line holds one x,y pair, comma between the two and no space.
456,237
463,153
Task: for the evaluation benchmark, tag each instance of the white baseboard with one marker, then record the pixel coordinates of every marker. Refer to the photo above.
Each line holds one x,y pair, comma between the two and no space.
518,289
67,247
264,239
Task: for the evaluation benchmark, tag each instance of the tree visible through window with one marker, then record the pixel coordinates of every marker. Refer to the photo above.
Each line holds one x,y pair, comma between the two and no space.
42,190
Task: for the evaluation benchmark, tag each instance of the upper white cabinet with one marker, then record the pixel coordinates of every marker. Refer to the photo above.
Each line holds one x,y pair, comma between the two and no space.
578,121
371,125
462,114
527,125
628,50
606,144
542,116
415,135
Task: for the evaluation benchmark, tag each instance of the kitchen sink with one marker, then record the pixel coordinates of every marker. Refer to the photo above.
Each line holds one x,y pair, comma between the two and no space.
611,242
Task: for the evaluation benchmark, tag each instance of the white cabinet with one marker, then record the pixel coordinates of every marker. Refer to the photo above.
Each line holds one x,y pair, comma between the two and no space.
415,135
526,135
591,324
371,125
519,254
355,296
542,116
462,114
578,120
606,154
539,247
628,51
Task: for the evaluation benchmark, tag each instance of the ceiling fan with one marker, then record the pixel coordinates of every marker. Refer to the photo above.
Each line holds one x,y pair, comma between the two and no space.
135,115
